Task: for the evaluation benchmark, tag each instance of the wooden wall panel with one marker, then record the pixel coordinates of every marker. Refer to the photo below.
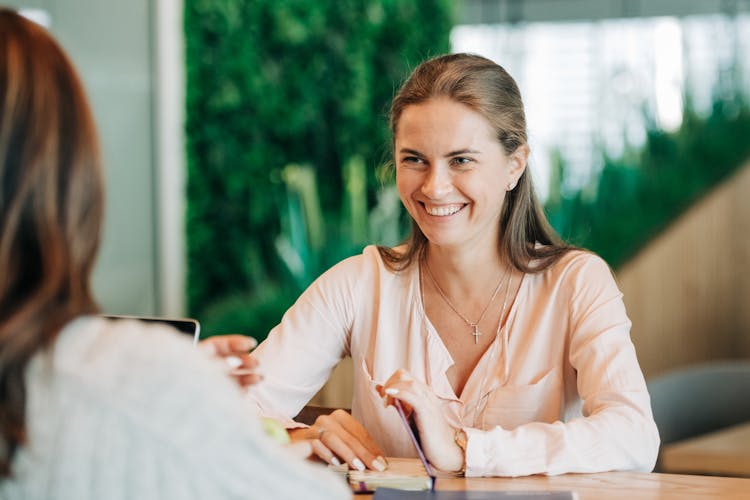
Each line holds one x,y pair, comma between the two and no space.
688,291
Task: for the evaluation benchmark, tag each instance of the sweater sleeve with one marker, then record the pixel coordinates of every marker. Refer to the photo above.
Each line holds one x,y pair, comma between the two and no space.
119,410
617,430
228,451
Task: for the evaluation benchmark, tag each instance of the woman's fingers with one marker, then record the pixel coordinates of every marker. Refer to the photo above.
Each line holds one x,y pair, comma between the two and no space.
353,427
349,441
247,379
436,433
339,443
244,368
402,386
321,451
235,351
240,343
230,345
328,445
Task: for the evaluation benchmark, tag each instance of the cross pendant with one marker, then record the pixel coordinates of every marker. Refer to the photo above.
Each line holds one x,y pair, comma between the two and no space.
476,333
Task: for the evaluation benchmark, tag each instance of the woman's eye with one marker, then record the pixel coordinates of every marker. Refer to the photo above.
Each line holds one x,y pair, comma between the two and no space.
461,161
412,159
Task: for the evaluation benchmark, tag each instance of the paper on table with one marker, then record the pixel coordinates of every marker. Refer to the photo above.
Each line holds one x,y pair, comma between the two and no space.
402,473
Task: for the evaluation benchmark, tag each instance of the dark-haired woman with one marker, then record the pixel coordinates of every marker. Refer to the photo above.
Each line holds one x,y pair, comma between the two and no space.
91,408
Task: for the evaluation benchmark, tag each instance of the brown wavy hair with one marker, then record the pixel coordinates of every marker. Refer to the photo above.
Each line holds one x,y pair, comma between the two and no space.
526,237
50,208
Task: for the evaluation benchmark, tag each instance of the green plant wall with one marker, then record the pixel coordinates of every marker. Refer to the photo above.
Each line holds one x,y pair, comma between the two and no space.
273,83
286,131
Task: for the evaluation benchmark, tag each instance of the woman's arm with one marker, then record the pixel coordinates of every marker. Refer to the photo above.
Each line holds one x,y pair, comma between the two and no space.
299,355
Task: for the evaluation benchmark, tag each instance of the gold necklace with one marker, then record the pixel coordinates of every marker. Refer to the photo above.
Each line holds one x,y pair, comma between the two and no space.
474,325
501,332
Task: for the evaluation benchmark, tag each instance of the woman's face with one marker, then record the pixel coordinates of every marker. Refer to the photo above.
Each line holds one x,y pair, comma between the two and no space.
452,174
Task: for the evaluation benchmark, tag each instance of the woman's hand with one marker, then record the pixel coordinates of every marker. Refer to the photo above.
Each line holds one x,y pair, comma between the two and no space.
437,436
338,438
235,349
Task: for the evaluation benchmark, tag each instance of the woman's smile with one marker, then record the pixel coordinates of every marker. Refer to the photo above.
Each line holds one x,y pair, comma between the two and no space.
443,210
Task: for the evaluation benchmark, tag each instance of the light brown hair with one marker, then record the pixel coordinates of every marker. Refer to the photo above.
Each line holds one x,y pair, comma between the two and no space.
526,238
50,208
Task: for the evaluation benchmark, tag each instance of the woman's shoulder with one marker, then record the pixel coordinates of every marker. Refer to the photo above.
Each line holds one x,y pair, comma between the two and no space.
580,258
363,265
138,361
89,338
578,266
144,378
583,275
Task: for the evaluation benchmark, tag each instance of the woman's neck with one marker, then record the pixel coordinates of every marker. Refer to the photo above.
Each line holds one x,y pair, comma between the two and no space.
466,273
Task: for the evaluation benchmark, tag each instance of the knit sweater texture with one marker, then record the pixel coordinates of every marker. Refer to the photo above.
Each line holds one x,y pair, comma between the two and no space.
127,410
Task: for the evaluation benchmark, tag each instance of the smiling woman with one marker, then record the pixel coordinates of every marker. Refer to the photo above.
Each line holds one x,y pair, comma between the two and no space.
452,174
510,349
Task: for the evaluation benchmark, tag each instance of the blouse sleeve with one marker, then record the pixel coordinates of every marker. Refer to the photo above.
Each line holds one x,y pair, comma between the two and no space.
300,353
617,430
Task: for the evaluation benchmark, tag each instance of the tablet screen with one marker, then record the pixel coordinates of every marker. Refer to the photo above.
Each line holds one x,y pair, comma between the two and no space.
187,326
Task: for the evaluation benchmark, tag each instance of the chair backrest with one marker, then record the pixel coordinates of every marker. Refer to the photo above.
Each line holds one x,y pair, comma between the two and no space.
701,398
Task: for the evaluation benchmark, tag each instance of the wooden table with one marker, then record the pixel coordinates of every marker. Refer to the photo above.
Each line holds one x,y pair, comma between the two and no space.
722,453
611,485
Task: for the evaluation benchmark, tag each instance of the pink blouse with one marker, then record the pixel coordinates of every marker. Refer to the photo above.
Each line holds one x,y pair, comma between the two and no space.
560,390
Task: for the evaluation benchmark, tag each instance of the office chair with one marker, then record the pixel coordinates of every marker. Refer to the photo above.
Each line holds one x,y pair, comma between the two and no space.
701,398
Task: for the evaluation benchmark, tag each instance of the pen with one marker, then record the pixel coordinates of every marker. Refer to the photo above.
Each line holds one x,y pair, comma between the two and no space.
415,441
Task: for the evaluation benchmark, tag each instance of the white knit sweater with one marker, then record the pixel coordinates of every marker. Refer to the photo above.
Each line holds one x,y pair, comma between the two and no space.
125,410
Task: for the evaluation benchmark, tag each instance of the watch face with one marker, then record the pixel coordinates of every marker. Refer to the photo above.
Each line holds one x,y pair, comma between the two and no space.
460,438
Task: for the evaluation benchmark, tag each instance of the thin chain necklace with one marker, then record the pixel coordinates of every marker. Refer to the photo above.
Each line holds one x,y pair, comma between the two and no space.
501,332
474,325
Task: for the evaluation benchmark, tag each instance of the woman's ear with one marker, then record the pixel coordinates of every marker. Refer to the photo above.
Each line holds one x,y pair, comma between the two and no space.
517,162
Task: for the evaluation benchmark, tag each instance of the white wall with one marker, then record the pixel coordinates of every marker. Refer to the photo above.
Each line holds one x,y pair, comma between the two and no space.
503,11
114,47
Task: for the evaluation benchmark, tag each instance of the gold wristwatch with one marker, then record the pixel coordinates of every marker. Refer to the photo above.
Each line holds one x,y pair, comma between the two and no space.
460,438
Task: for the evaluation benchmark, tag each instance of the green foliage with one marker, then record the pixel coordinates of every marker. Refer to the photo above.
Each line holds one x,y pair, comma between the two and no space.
273,83
636,195
309,244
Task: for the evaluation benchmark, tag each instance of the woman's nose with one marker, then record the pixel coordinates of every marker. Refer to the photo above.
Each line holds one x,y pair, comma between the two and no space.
438,183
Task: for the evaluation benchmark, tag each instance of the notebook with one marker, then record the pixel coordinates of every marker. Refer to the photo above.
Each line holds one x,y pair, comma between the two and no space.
394,494
402,473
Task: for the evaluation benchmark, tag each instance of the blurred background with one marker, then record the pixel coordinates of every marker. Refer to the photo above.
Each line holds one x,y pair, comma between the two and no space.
246,151
246,146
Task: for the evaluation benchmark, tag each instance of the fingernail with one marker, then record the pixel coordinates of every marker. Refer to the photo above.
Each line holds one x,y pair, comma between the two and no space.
335,461
379,464
233,361
391,391
357,463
